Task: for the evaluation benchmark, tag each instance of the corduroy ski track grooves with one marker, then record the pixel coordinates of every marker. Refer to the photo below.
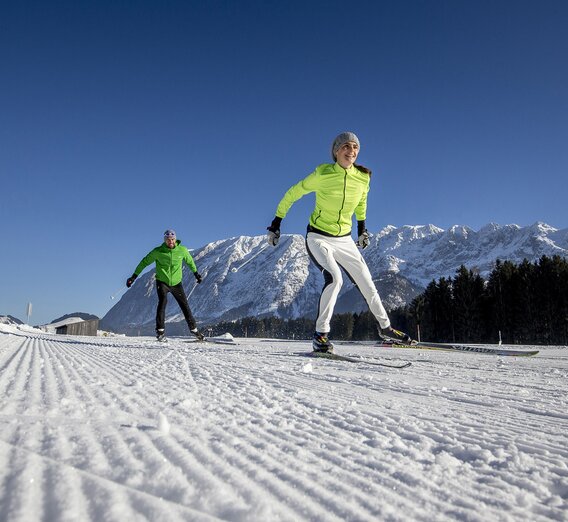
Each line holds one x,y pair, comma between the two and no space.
217,447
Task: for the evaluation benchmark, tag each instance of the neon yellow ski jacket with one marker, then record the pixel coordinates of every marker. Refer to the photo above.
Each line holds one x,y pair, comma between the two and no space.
340,193
169,263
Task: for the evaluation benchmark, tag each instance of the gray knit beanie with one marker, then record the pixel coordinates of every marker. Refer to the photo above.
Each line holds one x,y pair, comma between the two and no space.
344,137
169,234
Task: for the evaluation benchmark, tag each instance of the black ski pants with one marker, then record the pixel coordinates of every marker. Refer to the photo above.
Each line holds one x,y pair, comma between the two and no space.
179,295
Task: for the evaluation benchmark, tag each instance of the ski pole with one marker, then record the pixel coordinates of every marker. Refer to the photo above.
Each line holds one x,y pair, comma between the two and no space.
121,290
194,286
237,268
205,271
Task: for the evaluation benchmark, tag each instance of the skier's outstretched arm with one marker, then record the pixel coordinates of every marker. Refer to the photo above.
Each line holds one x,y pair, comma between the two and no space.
293,194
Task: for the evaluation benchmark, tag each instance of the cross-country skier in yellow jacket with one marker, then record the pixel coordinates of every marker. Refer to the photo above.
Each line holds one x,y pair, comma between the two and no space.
341,190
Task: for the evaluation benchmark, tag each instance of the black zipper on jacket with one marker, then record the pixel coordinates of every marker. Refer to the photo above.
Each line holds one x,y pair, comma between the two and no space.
343,202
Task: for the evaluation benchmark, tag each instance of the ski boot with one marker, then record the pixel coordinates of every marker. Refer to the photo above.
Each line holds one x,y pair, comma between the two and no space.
321,343
161,335
198,334
390,333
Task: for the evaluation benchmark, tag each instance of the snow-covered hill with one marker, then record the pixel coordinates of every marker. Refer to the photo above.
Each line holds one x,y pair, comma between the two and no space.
8,319
245,277
98,429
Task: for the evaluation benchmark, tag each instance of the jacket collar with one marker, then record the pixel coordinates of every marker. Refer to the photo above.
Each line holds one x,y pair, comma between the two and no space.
338,168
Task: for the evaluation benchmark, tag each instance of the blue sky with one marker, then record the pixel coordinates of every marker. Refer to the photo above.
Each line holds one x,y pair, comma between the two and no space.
122,119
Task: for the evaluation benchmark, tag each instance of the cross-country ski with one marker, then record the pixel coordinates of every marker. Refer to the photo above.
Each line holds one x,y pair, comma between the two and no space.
504,352
211,340
346,358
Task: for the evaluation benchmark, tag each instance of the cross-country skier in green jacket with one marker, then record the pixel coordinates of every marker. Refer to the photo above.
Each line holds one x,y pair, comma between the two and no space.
341,190
169,258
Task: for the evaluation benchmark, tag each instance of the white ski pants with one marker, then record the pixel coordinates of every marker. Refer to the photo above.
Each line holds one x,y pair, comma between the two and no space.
331,254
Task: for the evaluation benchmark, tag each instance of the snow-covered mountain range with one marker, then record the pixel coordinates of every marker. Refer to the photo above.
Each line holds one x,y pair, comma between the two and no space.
243,276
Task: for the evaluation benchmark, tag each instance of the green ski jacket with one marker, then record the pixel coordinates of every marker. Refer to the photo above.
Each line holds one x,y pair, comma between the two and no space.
168,263
339,194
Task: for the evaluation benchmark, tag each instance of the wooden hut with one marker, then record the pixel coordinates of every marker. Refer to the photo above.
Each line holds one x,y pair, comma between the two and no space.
88,327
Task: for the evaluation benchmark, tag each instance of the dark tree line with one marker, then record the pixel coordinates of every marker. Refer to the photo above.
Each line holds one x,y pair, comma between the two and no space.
344,326
272,327
525,303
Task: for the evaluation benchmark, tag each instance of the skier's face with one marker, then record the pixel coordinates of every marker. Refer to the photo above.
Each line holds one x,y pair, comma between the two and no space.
347,154
170,242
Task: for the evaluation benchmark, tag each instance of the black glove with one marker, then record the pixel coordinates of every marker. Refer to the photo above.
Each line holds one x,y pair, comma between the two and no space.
273,235
131,280
198,277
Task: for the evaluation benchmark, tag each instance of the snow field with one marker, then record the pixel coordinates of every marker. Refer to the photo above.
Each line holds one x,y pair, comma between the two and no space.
131,429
